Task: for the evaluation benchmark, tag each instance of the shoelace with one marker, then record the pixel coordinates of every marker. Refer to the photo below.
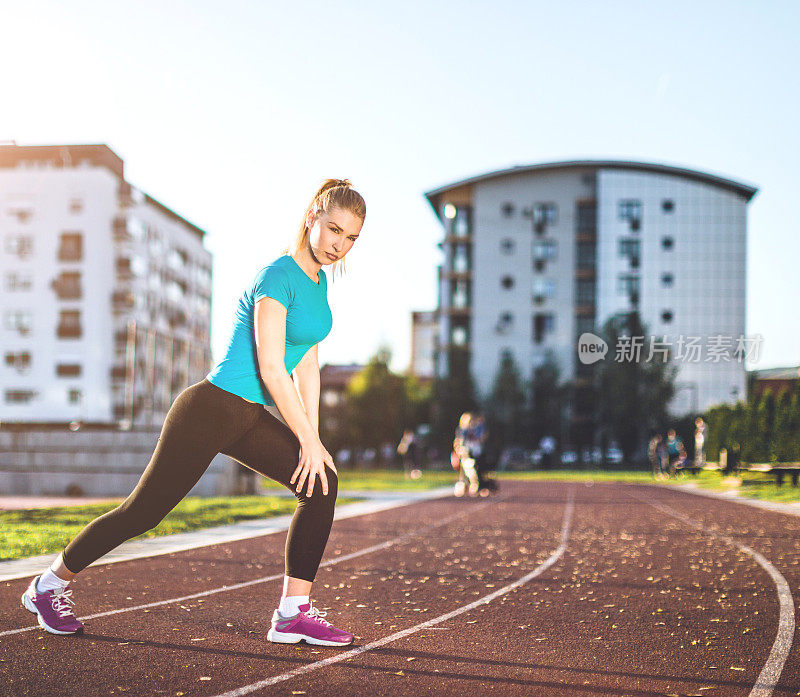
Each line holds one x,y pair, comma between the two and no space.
317,616
61,603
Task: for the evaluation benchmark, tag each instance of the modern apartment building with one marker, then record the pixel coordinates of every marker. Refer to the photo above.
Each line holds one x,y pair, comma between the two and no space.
423,344
534,256
106,293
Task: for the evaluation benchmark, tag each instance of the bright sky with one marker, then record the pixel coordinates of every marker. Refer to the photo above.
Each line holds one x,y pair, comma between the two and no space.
233,112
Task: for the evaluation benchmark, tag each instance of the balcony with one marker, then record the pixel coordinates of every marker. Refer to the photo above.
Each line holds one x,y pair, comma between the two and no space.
69,331
67,286
122,301
123,269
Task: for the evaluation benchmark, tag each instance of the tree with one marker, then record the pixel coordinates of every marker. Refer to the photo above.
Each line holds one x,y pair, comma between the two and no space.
376,403
453,394
506,418
546,399
633,395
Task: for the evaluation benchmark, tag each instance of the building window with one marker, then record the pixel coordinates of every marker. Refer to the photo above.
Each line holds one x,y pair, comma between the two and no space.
18,280
627,284
459,335
546,213
543,324
21,245
507,246
507,209
505,323
71,246
631,210
586,255
543,289
460,295
74,396
20,361
69,370
667,243
68,285
585,291
544,250
19,396
461,258
666,316
668,205
457,220
587,218
76,205
69,326
19,320
507,282
628,247
667,279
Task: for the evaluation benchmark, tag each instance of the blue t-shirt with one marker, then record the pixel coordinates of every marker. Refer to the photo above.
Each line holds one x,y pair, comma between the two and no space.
308,321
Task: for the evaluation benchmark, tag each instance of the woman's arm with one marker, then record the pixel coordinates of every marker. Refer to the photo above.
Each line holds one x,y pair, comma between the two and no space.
307,380
270,336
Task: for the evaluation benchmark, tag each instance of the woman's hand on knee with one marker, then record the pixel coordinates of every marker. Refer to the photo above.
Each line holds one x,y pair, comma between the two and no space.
313,460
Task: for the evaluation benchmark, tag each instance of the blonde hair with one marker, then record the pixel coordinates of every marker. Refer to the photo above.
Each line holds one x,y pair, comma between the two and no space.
334,193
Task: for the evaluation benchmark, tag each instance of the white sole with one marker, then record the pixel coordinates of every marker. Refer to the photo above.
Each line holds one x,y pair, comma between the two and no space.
27,603
287,638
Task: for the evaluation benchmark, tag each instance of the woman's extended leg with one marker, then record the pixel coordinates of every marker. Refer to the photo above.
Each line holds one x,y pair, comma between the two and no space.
203,420
271,449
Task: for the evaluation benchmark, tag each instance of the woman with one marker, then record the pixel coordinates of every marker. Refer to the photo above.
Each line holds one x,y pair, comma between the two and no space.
280,319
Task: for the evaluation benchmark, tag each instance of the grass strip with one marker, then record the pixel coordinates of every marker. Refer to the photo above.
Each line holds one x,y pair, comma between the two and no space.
30,532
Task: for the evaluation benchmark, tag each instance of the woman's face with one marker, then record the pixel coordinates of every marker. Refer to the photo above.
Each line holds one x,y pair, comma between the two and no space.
332,234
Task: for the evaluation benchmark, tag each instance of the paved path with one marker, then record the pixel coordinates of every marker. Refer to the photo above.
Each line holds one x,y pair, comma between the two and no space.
548,589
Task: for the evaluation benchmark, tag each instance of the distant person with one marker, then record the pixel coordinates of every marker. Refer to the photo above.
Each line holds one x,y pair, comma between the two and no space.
280,319
479,435
462,460
655,453
700,442
674,450
408,450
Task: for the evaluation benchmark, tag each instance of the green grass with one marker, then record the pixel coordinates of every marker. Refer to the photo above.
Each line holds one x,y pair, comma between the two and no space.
29,532
750,486
383,480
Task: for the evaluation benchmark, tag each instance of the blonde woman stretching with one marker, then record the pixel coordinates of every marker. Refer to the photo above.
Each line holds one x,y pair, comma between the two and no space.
280,318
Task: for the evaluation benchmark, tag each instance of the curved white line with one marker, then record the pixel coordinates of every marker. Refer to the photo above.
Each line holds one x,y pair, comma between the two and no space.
771,672
264,579
247,689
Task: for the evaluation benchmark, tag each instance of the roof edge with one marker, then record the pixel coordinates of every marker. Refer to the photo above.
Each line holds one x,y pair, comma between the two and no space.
747,191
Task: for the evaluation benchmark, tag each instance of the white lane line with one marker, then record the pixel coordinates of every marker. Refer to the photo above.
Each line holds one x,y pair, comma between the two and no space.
552,559
264,579
771,672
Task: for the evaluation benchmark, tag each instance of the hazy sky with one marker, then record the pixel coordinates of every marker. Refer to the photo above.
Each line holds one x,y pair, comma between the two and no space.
233,112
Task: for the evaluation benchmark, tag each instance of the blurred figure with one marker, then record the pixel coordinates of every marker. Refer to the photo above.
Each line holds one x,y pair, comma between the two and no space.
468,456
674,450
408,450
657,455
700,442
462,460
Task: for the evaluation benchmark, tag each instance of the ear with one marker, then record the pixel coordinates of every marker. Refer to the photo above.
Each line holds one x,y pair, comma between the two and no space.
310,218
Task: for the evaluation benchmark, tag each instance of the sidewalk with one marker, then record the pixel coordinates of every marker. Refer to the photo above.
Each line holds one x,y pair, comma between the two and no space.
167,544
15,503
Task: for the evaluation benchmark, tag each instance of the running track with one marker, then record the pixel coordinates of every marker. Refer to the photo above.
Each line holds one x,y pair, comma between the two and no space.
547,589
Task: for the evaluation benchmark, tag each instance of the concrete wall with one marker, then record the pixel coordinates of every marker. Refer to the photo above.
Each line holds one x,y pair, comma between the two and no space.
98,463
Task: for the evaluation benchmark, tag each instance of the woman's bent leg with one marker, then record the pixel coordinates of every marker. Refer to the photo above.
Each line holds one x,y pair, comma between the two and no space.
270,448
201,422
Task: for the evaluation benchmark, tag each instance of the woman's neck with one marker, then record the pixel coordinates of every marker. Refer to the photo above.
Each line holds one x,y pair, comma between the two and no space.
305,260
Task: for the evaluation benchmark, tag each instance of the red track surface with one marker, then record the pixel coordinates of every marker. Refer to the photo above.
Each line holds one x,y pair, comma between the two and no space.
640,603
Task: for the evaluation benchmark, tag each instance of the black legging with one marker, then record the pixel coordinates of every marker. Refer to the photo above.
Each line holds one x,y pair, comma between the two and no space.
205,420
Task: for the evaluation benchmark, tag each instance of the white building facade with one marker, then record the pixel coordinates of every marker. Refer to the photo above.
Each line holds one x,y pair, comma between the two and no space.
106,293
535,256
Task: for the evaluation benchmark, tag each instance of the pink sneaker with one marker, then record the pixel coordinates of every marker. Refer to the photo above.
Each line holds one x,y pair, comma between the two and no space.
53,610
309,625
